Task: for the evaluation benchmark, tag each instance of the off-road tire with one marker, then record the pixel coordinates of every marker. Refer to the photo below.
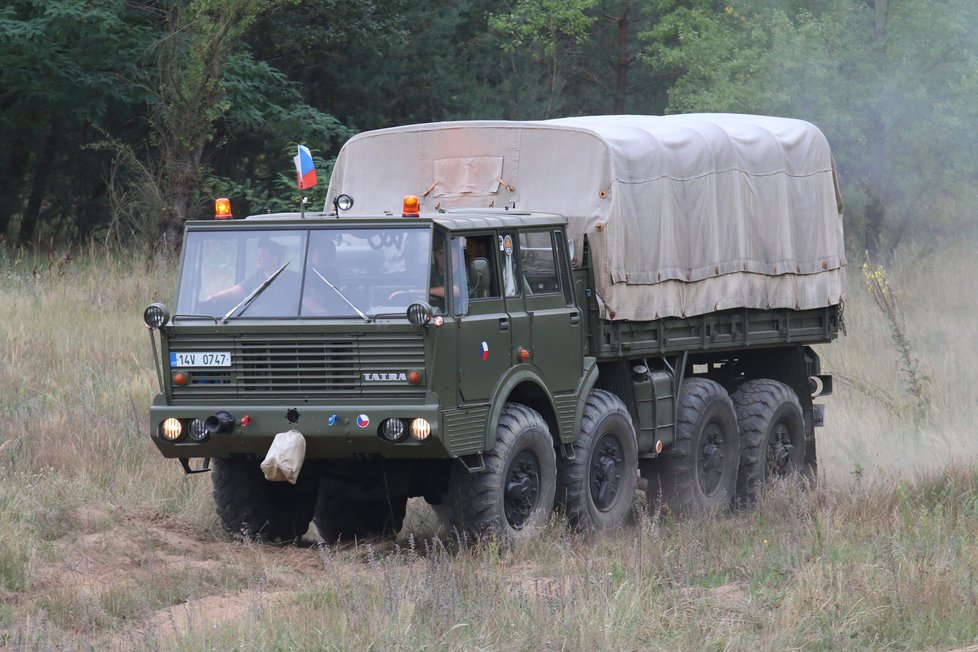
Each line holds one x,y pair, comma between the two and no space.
425,521
346,519
596,488
772,436
515,493
698,473
249,505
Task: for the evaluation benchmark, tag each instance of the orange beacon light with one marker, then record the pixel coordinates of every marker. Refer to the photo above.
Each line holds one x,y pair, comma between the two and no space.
222,209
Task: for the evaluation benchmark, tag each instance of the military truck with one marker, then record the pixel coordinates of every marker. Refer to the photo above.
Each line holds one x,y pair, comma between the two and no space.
509,318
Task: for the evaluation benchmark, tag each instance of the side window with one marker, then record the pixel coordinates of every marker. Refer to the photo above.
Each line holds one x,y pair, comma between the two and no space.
563,263
459,280
480,261
438,273
538,264
511,286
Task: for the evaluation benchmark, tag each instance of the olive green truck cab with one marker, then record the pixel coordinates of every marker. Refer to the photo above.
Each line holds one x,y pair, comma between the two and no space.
508,318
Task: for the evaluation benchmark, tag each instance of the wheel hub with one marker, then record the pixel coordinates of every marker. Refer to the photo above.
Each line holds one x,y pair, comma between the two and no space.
522,489
779,450
605,472
712,456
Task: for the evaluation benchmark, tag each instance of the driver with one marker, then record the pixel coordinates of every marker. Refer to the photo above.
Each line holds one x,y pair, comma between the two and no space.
436,284
269,259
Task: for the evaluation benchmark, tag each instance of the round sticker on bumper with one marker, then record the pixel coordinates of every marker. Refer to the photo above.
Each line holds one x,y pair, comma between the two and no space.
363,421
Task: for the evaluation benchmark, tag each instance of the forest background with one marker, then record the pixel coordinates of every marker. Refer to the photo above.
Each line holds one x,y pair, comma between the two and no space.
121,119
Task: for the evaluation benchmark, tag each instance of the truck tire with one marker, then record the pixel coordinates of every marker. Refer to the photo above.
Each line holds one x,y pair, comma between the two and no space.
250,505
698,474
515,493
345,519
772,435
596,488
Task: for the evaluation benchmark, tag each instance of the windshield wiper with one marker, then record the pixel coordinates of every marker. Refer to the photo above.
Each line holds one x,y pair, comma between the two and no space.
254,293
342,296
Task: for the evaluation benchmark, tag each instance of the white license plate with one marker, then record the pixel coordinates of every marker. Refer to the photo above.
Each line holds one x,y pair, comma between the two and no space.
201,359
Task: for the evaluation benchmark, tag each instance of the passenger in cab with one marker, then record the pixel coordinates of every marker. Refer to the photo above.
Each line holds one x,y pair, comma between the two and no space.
270,256
319,298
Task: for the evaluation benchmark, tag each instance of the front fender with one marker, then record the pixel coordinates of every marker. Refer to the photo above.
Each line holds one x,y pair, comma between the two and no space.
504,389
565,411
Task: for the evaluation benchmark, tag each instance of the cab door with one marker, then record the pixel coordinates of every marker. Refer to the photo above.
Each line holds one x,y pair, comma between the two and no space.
484,329
554,321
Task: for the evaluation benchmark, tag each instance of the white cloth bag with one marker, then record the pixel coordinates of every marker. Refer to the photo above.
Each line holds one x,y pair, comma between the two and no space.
285,457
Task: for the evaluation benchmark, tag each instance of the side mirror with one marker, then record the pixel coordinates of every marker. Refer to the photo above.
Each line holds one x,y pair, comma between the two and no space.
479,274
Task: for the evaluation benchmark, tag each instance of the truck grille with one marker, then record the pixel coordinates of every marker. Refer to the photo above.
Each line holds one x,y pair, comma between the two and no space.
363,365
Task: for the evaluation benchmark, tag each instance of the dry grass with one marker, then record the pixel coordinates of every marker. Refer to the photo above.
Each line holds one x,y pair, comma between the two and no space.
105,545
870,427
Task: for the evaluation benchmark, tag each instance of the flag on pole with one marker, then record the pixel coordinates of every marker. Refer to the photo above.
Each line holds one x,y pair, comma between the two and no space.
305,170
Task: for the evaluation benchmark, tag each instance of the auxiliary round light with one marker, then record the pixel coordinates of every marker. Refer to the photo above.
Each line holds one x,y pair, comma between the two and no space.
343,202
171,429
198,431
420,429
180,378
419,314
414,377
156,315
392,429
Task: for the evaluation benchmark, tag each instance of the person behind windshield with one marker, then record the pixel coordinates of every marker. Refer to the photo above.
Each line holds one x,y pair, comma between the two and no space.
269,259
319,298
436,285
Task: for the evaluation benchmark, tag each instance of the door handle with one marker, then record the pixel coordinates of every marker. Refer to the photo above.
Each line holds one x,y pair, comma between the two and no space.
504,323
575,319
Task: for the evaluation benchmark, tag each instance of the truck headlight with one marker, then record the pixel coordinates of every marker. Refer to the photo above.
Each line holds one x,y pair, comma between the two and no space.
392,429
171,429
420,429
198,431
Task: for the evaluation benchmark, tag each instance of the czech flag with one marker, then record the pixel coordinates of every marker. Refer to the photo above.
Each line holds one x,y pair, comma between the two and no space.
305,170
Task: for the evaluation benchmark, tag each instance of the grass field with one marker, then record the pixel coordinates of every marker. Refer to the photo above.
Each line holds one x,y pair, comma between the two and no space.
104,545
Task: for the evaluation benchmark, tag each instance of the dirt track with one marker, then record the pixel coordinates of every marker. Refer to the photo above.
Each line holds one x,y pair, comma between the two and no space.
169,576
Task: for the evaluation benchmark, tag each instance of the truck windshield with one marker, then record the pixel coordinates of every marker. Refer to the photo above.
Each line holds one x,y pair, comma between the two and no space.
328,272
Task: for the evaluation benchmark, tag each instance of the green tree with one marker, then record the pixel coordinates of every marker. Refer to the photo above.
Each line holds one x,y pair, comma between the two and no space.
65,79
265,119
892,83
189,95
377,65
543,34
578,58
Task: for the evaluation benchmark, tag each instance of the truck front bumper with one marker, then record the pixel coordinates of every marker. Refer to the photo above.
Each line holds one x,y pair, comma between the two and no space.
331,431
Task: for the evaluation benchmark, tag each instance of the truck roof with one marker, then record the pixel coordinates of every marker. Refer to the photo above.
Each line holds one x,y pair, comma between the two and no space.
685,214
453,219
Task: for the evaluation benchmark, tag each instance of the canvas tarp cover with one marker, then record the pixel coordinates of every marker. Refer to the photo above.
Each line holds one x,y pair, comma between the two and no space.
684,214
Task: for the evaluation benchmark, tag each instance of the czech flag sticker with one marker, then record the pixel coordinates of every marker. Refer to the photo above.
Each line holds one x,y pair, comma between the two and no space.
363,421
485,351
